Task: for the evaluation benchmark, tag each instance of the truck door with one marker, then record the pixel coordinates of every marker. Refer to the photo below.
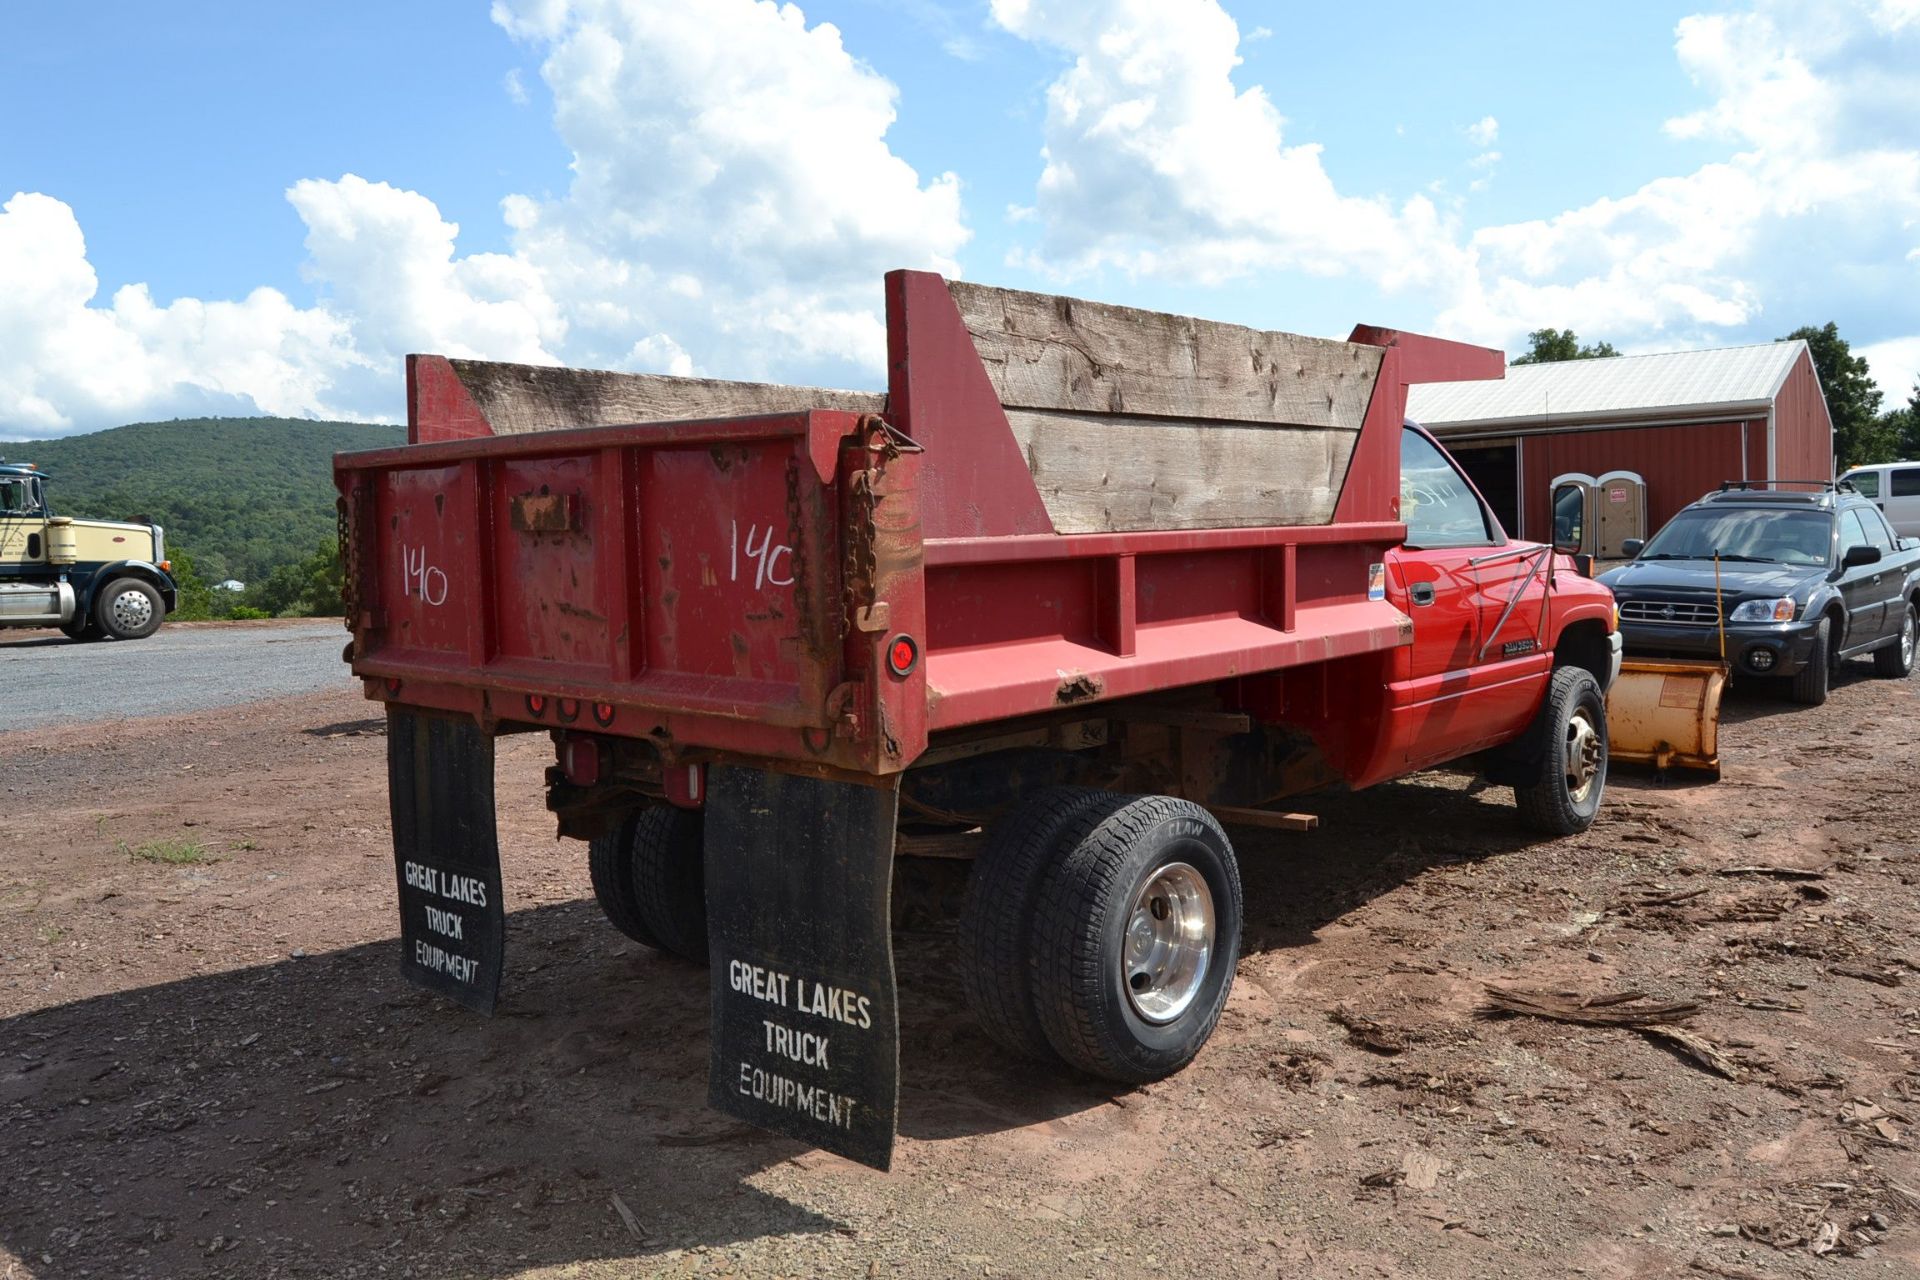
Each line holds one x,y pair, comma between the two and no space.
1887,582
23,525
1431,577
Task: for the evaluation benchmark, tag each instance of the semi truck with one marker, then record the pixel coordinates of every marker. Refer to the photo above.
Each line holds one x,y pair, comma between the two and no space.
90,578
1082,589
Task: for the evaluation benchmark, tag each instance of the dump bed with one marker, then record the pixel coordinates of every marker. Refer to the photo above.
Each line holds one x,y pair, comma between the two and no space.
1055,502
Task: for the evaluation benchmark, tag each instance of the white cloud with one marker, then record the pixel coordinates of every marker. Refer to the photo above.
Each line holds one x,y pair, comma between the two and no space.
729,142
733,207
515,86
1156,162
1896,368
66,363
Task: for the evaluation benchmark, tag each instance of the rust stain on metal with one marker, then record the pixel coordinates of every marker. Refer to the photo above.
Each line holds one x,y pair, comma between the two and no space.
1078,686
545,512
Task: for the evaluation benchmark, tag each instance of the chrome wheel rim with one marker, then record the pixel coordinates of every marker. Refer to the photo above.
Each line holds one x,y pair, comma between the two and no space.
1906,640
1169,944
132,610
1584,747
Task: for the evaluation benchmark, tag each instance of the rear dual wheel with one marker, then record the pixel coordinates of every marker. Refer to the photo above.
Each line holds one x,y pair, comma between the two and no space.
1103,931
649,876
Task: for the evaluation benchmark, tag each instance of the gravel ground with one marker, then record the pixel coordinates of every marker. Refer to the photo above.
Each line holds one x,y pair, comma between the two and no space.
183,667
210,1066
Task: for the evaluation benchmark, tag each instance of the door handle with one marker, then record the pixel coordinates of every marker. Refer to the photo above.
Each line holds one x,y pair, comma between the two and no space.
1421,592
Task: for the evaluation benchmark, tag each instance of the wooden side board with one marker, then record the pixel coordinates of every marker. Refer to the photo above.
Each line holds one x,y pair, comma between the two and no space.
1049,352
1135,420
518,398
1109,473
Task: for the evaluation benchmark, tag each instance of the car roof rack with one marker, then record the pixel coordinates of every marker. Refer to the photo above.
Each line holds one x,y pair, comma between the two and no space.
1825,486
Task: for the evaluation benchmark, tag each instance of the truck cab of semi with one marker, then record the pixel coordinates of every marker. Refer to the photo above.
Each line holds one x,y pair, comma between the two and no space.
90,578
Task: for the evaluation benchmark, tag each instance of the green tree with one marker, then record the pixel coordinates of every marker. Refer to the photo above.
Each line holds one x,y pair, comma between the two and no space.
1903,426
309,588
1549,346
1860,434
195,599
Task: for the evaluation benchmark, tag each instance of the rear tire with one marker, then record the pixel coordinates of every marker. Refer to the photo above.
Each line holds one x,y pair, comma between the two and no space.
1569,761
649,876
1809,686
1895,662
996,920
129,609
1135,939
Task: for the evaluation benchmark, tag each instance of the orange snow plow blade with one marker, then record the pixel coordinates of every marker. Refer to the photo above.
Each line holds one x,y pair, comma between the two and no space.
1667,714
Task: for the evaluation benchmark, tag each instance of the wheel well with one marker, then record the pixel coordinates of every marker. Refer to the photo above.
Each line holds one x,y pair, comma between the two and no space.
107,577
1584,644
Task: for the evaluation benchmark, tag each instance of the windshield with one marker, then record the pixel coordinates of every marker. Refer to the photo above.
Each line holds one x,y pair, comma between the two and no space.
1778,537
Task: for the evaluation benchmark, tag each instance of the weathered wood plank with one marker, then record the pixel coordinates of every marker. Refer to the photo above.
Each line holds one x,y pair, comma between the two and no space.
1112,473
1049,352
518,398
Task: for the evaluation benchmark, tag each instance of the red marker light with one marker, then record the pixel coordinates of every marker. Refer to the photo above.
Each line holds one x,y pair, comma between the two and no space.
569,710
603,713
903,655
536,704
393,687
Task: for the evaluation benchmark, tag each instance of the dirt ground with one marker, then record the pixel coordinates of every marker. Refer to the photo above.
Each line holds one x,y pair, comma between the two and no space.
209,1066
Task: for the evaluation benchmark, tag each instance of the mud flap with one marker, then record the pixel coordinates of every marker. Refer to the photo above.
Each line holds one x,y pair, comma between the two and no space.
446,856
806,1037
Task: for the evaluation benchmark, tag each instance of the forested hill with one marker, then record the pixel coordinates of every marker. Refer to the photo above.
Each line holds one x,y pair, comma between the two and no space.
241,495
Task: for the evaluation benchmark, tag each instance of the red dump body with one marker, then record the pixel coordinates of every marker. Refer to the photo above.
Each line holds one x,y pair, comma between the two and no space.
833,585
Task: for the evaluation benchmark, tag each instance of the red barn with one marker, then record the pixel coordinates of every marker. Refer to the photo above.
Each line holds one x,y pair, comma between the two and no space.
1679,423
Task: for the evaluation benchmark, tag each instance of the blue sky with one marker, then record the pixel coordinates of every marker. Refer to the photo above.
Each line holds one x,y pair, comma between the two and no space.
715,186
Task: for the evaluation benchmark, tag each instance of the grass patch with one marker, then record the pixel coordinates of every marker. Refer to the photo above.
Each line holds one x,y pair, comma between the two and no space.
243,844
176,853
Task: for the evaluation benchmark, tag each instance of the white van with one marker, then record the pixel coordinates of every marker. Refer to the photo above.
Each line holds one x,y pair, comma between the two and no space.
1895,489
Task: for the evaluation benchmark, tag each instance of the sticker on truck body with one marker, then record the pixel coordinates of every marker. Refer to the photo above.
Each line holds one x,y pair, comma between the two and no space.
805,1037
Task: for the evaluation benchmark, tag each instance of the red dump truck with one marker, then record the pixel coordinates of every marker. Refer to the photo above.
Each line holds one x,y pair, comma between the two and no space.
1083,584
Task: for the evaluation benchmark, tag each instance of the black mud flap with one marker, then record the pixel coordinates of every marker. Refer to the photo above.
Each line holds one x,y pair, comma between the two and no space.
446,855
806,1035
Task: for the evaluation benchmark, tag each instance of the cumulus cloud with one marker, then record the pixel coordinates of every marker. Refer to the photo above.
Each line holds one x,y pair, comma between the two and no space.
1156,162
68,363
733,205
1895,364
734,199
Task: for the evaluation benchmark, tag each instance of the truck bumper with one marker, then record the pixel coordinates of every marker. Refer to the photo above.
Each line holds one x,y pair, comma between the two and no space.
1615,648
1753,649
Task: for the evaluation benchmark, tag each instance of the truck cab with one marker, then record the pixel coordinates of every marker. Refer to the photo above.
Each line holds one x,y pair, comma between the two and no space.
90,578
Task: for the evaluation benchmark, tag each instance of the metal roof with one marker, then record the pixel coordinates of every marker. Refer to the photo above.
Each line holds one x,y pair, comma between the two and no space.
1665,386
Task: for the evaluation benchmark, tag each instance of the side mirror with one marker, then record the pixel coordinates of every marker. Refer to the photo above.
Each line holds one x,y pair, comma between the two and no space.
1859,555
1630,547
1583,565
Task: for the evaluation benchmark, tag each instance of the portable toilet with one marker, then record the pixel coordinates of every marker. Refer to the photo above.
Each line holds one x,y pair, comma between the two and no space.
1573,510
1620,507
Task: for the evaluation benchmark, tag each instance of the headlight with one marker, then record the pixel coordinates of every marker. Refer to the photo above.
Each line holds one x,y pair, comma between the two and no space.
1780,610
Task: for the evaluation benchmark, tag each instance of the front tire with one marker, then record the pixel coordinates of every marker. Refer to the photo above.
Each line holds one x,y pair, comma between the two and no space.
1809,686
1895,662
1569,764
129,609
80,629
649,876
1135,939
